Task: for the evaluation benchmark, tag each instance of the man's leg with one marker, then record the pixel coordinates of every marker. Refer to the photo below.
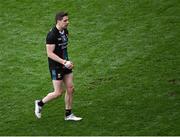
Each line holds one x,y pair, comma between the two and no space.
57,84
68,80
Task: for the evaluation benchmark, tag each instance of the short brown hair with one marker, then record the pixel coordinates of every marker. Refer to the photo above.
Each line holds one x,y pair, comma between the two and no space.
60,15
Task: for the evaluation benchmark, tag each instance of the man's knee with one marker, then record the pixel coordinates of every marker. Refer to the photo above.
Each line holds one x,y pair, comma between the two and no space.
57,93
70,89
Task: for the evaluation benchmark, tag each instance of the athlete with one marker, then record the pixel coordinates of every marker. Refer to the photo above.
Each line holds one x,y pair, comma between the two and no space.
60,67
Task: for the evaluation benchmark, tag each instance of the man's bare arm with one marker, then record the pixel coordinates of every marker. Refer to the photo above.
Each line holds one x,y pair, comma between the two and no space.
50,48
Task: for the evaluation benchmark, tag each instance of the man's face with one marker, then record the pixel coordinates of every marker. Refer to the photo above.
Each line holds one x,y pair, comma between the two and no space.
64,22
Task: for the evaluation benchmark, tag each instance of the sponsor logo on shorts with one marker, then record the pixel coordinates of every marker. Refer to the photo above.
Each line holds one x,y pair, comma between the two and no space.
59,75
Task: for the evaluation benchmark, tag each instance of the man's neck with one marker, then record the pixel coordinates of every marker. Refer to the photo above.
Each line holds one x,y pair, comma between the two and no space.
59,28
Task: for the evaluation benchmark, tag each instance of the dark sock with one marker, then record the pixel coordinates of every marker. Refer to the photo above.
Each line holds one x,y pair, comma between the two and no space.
68,112
40,103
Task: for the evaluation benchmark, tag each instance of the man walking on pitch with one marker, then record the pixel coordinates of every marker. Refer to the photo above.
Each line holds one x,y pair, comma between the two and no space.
60,67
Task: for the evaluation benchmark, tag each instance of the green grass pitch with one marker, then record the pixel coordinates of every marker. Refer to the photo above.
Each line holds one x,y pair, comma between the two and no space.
127,67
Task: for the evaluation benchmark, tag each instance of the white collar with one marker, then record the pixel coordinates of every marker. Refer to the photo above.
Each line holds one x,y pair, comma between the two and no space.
61,32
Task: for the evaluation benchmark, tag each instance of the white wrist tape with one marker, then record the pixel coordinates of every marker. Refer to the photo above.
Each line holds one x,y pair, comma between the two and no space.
67,64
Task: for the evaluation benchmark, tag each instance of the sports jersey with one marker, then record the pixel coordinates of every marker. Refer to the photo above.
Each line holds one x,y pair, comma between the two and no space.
60,39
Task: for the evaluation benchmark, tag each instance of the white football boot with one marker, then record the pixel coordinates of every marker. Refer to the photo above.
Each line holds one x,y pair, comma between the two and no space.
72,117
37,109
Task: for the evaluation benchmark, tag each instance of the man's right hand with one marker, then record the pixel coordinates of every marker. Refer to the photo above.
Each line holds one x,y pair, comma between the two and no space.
68,64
